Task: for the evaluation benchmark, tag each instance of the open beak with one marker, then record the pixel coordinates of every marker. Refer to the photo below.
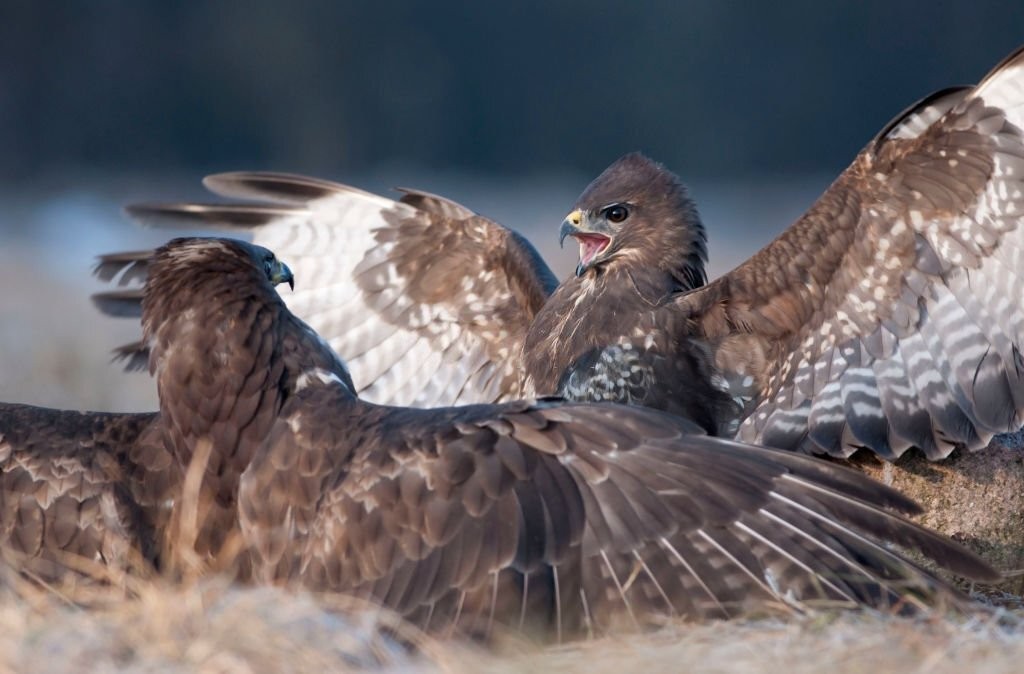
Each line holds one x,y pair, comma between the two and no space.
282,274
592,242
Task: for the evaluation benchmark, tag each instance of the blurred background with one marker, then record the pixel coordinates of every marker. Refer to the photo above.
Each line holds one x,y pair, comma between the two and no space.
510,108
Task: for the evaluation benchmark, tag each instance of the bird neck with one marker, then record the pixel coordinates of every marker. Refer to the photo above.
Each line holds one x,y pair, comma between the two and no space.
306,355
215,352
666,268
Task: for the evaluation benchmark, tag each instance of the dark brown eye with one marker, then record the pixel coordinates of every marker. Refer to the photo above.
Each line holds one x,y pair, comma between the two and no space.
616,213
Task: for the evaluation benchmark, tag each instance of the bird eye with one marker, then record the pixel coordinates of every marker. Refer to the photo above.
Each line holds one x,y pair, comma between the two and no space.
616,213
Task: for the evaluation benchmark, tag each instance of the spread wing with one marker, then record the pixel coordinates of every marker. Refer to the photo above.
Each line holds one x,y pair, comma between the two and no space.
890,314
78,491
427,301
563,518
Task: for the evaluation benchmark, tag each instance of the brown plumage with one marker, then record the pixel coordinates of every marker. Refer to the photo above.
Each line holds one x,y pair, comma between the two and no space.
101,487
209,317
883,318
84,491
551,517
560,519
886,317
542,515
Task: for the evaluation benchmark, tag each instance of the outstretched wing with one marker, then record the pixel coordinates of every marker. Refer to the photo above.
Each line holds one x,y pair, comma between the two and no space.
78,492
427,301
562,518
890,314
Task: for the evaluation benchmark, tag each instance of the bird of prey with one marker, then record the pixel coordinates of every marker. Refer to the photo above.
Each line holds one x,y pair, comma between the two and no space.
552,517
94,492
888,316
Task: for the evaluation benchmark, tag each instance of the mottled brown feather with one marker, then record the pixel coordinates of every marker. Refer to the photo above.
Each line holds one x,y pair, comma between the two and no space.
553,518
90,486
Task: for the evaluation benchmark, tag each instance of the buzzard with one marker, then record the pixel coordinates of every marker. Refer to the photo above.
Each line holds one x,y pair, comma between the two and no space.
553,517
886,317
100,487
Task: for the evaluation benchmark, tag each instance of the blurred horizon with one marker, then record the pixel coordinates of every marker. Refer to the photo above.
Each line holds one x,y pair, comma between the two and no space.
714,90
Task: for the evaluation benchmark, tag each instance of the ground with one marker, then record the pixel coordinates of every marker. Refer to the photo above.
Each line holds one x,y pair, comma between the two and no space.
976,498
219,628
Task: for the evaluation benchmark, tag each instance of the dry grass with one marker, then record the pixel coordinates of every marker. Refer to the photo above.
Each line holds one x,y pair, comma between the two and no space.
214,626
836,644
207,627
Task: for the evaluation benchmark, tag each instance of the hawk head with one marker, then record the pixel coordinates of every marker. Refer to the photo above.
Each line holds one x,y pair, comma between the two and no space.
185,260
637,212
193,276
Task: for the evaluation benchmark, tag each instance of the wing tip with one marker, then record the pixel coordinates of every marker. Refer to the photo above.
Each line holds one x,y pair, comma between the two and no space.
119,303
126,267
942,100
230,217
134,357
1014,58
275,187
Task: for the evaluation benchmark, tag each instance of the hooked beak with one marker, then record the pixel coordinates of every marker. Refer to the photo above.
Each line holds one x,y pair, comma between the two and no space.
570,226
282,274
593,240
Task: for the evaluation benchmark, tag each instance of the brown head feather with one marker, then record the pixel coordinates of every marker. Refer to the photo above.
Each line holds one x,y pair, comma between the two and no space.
663,229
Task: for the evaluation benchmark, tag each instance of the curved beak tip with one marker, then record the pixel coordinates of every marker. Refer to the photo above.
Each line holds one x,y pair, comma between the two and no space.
284,275
571,225
567,229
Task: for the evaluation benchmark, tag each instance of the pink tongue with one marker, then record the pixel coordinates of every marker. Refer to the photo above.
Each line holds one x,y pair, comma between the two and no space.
590,246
